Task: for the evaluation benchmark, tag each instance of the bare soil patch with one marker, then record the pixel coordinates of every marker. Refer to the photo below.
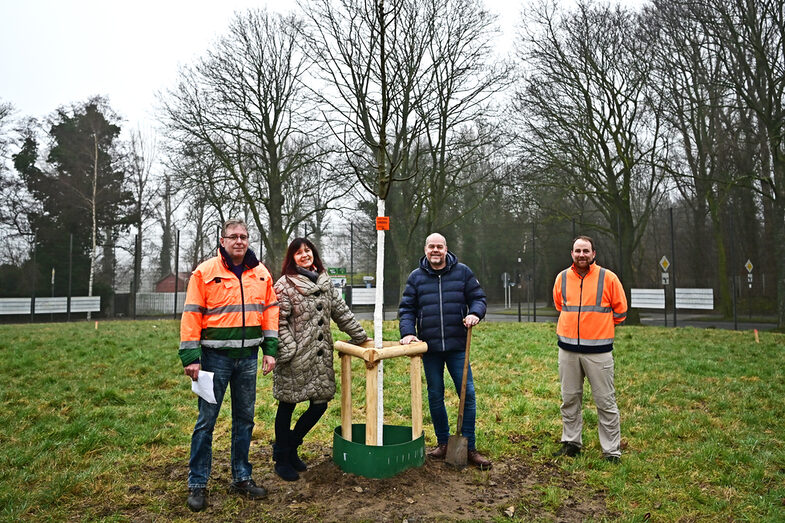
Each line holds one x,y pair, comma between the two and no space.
435,492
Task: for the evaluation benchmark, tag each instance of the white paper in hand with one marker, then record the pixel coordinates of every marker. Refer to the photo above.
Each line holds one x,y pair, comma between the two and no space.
203,387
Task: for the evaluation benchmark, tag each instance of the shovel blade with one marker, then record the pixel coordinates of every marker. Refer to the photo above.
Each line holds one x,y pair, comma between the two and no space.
457,451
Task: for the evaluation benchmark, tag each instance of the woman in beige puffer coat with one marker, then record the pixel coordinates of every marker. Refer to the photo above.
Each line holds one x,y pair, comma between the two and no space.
304,364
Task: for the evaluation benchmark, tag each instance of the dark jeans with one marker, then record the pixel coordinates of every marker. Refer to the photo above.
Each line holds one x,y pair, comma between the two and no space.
433,363
241,375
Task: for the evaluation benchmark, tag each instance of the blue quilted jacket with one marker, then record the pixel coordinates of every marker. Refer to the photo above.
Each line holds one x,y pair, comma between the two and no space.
434,304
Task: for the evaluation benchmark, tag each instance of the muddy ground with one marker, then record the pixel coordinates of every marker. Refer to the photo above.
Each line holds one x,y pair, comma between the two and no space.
435,492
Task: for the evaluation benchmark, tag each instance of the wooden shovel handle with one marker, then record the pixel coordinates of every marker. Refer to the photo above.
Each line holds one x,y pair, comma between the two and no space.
463,381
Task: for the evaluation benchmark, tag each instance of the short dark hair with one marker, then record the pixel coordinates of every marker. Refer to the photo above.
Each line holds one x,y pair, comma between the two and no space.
585,238
290,266
232,222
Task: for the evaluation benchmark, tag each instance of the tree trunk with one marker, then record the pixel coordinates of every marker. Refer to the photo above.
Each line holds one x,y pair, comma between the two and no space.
93,214
167,244
276,240
378,323
627,275
108,267
779,249
723,274
778,229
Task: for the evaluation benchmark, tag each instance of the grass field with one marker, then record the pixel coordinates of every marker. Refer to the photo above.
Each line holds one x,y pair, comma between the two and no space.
87,412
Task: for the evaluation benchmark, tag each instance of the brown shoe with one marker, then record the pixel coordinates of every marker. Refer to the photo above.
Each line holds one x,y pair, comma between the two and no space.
438,452
479,461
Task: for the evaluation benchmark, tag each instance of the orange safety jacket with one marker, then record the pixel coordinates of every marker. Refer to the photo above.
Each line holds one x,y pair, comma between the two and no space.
589,308
226,313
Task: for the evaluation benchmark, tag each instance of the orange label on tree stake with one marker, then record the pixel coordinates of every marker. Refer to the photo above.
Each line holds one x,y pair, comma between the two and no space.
382,223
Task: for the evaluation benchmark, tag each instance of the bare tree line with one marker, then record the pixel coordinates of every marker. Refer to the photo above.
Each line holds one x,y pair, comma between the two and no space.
606,117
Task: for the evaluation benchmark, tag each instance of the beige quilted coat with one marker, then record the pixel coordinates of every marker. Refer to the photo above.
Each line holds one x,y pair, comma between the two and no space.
304,364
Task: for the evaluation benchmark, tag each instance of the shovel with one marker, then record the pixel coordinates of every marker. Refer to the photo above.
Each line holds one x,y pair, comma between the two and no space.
458,445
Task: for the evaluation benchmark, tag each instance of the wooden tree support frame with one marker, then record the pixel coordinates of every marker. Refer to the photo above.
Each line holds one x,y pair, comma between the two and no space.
372,356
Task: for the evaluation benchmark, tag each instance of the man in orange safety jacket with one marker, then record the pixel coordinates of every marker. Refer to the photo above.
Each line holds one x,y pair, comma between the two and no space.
591,302
231,311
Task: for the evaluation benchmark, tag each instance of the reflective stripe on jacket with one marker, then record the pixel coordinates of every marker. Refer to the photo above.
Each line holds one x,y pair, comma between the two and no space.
589,308
226,313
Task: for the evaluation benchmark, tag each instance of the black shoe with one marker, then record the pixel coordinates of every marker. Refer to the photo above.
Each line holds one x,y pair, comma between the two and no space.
567,449
197,499
297,464
249,489
612,459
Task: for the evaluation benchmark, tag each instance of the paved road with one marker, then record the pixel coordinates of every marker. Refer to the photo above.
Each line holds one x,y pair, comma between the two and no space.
654,319
706,322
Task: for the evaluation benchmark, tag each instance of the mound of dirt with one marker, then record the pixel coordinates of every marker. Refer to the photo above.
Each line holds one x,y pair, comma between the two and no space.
434,492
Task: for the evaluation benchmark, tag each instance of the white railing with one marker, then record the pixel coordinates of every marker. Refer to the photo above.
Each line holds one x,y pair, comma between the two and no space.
695,299
363,296
685,298
50,305
647,298
159,302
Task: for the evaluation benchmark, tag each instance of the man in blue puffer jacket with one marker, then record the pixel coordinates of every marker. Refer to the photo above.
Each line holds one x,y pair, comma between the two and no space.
441,300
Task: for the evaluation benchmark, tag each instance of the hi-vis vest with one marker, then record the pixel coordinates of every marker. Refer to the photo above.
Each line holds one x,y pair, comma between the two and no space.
589,308
221,312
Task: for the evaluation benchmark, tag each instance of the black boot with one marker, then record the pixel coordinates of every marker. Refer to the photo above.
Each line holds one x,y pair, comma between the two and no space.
283,463
298,464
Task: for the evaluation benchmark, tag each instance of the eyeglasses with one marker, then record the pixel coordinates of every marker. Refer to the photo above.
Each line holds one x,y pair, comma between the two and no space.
235,237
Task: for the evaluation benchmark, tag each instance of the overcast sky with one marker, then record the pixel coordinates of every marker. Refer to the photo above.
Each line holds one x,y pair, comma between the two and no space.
59,52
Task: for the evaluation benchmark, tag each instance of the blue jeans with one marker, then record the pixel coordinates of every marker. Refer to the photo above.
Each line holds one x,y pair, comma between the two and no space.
433,363
241,375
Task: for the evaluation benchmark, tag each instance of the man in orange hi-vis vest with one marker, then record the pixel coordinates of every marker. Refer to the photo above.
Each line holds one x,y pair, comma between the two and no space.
231,311
591,302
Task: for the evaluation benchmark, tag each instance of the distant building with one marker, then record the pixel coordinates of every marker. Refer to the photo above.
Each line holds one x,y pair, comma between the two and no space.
166,284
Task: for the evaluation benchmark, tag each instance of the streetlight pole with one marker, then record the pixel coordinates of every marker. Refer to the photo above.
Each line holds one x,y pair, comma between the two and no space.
534,278
519,282
35,270
51,314
70,267
673,263
176,269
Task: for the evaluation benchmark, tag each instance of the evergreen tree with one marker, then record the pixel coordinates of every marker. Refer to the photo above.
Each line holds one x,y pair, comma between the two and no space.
79,191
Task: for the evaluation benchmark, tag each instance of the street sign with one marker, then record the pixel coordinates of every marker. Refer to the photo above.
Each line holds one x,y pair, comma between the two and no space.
664,263
749,277
748,266
665,278
337,276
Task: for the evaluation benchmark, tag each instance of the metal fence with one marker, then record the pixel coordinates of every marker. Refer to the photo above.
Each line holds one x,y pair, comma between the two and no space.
522,273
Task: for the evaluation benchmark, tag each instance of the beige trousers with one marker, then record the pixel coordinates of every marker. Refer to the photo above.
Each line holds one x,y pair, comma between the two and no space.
598,368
